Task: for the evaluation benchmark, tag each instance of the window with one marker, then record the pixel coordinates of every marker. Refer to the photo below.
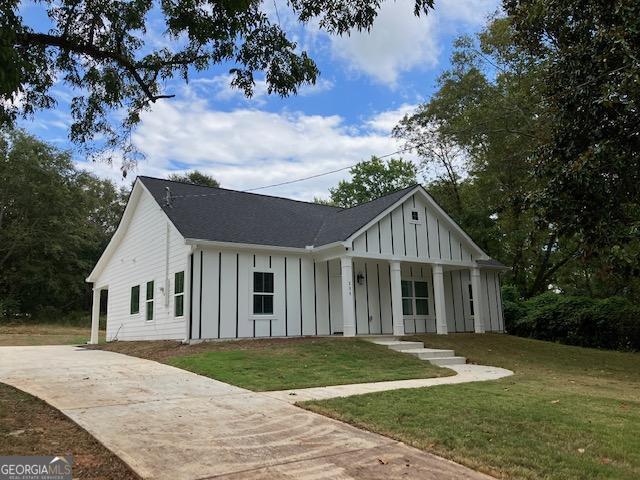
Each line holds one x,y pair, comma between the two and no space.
415,298
415,216
470,299
149,300
178,294
262,293
135,300
407,297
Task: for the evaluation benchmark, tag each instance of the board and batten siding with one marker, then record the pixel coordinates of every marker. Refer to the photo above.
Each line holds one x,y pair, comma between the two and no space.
430,238
308,297
140,257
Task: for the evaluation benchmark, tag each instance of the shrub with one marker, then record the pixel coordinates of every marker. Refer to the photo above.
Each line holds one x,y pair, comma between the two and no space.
612,323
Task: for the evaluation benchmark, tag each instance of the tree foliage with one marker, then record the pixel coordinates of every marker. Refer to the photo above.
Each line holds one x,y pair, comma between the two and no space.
102,49
196,177
591,87
372,179
486,134
54,223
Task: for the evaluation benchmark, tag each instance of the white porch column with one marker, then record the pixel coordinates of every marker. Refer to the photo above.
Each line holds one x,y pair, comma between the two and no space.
95,316
478,304
396,298
439,300
348,308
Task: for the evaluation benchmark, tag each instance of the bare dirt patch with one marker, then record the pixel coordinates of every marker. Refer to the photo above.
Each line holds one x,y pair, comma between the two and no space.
28,426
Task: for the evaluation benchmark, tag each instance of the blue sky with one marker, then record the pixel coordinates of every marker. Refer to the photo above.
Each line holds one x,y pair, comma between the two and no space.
367,82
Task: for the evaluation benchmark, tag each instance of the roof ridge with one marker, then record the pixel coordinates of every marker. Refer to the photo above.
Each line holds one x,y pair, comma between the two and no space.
240,191
381,196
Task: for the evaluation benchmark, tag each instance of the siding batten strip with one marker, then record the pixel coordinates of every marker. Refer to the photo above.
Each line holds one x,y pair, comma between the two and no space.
393,250
315,297
450,249
366,241
190,296
286,303
379,297
404,231
439,245
300,275
415,231
219,288
237,289
200,300
329,297
379,242
426,226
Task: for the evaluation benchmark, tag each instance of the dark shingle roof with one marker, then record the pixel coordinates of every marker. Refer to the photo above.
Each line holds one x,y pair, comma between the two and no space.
222,215
490,262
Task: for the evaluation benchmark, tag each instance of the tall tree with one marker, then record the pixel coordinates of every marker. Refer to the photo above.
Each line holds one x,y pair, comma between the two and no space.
591,87
372,179
487,113
102,50
196,177
54,223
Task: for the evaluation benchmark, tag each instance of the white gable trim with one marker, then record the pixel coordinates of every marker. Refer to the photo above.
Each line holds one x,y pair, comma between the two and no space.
431,203
134,198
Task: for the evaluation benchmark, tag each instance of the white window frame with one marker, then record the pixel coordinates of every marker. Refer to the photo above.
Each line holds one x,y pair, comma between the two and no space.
150,300
181,294
261,316
413,297
411,220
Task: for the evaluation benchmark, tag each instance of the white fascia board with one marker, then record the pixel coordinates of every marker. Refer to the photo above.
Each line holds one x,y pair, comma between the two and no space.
134,197
244,246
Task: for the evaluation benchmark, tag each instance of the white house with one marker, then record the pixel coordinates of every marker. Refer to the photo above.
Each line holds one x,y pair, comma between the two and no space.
190,262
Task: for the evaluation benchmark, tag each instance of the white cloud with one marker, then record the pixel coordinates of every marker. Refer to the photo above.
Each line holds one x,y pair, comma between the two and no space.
399,41
248,148
223,91
385,121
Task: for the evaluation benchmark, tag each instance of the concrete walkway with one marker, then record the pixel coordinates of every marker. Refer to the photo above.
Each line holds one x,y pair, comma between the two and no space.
465,373
167,423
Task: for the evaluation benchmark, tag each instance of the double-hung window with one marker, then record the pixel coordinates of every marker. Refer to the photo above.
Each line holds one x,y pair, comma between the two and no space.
149,300
262,293
135,300
178,294
415,298
471,299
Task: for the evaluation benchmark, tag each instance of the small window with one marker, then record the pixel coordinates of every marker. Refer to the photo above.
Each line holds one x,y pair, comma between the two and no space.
470,299
149,300
135,300
262,293
178,294
414,215
407,297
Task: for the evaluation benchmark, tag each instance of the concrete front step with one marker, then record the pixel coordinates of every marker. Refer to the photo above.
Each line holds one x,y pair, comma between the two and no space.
429,353
399,345
443,362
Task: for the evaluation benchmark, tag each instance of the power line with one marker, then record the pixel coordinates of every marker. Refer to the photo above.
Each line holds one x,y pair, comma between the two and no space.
288,182
329,172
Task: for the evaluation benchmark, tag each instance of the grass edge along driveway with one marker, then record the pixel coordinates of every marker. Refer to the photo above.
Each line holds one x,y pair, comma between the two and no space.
567,413
280,364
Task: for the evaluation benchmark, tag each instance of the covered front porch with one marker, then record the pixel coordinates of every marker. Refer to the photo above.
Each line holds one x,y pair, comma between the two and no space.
394,297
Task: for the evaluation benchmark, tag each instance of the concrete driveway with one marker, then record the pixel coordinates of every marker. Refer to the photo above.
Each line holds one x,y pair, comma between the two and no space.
167,423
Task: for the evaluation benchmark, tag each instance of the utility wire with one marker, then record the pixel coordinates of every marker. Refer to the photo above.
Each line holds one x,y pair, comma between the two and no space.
405,149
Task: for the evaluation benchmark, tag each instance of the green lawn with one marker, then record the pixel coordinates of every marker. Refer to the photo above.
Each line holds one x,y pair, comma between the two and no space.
44,334
316,362
568,413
